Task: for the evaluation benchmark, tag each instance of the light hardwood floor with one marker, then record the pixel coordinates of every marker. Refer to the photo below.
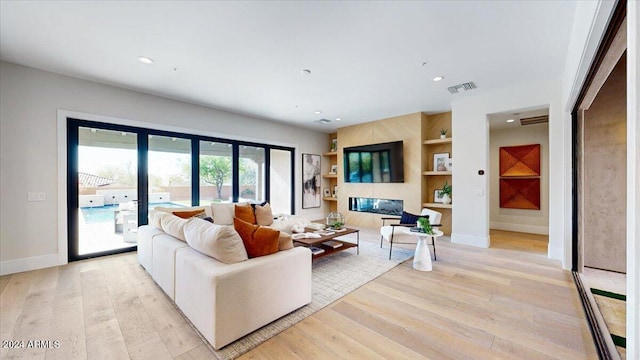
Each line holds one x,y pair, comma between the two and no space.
508,302
613,311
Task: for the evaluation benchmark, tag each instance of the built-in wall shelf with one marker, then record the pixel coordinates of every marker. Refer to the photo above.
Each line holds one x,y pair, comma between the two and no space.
437,141
433,180
436,173
330,179
437,205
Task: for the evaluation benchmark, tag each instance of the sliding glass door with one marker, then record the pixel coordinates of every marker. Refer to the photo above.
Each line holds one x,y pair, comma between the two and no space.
117,173
252,174
107,196
169,171
216,172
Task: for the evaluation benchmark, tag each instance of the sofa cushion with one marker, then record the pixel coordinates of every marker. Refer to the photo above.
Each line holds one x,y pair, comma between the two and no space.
221,242
264,215
244,212
258,240
174,226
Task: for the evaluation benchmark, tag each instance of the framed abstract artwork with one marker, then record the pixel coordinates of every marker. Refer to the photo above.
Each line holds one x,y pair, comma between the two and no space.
310,181
520,193
520,161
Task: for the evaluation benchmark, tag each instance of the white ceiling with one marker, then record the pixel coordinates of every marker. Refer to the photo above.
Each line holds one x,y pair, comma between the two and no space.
498,121
366,58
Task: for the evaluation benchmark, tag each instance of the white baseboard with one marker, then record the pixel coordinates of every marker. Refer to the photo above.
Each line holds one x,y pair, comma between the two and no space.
477,241
531,229
26,264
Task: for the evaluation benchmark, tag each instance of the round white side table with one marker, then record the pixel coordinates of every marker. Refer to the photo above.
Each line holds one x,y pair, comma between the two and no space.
422,255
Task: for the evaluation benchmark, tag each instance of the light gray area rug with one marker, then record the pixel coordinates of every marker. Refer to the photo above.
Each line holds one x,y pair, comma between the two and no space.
333,277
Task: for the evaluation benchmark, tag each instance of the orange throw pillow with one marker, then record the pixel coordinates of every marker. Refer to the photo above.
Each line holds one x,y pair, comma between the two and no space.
187,214
245,213
258,240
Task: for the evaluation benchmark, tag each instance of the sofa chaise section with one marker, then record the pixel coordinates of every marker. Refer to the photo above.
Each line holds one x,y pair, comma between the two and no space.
228,301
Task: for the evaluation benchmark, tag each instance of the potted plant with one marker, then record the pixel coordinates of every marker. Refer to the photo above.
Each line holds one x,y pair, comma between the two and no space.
425,225
443,133
446,193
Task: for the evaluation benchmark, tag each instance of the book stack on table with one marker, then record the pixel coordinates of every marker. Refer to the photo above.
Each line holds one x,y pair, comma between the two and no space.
332,244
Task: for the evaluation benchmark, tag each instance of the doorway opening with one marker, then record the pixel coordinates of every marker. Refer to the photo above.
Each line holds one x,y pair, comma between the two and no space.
519,179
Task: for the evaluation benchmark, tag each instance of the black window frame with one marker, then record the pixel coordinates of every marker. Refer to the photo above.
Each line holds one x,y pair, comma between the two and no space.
74,124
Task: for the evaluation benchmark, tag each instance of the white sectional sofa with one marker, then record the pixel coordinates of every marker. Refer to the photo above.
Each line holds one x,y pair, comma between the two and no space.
226,301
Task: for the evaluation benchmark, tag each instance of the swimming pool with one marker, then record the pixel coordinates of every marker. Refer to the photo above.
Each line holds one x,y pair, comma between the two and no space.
102,214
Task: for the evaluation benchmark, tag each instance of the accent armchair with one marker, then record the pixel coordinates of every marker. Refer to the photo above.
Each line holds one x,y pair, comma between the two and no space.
390,233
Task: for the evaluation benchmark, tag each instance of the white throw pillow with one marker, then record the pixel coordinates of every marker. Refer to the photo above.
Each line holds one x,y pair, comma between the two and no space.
223,213
221,242
174,226
155,218
264,214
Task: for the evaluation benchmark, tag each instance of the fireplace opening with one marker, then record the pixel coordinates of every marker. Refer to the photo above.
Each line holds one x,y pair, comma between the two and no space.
376,206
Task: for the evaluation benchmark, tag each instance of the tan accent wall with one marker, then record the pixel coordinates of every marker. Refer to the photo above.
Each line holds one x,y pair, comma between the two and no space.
407,128
605,174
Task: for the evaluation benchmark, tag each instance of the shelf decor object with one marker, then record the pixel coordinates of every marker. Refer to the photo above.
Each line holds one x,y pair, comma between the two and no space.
335,220
440,161
520,161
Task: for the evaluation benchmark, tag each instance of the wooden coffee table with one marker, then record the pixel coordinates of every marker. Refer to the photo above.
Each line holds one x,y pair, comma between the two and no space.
317,242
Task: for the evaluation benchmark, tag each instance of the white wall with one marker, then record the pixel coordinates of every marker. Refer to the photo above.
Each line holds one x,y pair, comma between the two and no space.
529,221
33,234
471,146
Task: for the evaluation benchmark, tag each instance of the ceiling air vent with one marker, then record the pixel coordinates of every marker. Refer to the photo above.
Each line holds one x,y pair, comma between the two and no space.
466,87
323,121
534,120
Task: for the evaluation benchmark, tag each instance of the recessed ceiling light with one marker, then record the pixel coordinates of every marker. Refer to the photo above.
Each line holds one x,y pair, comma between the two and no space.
145,60
305,72
438,78
317,112
338,119
510,120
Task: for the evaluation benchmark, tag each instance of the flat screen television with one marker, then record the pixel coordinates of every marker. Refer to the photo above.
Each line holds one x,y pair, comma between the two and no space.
376,163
